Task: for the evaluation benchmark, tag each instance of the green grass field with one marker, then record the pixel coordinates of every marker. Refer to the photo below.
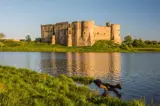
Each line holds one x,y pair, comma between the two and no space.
100,46
23,87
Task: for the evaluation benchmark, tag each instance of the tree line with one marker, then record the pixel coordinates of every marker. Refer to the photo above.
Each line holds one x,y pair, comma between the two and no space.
138,42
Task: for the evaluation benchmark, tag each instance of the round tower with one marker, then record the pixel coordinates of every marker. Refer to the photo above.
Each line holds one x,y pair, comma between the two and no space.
115,33
87,33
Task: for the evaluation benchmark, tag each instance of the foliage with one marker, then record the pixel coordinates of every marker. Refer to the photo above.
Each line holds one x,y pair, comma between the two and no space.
38,40
99,46
82,80
148,42
108,24
138,43
105,44
1,44
128,40
23,87
154,42
125,47
2,35
11,43
28,38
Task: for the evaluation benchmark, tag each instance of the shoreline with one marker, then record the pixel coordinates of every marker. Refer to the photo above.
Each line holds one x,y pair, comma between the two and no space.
99,47
36,88
137,50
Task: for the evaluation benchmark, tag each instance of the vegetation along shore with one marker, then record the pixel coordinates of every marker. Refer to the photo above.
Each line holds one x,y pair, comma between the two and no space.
128,45
23,87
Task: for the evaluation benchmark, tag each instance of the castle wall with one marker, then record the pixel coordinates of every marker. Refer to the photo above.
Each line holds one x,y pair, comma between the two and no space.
47,32
87,36
102,33
115,33
69,43
61,32
53,39
76,33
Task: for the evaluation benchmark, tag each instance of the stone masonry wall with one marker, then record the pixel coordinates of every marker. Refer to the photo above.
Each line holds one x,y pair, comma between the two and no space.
47,32
115,33
87,36
102,33
61,33
84,33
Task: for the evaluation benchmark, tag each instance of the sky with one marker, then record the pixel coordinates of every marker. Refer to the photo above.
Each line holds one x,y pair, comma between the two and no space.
138,18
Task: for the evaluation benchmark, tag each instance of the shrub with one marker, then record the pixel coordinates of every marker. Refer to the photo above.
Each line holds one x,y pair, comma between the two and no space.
148,42
125,47
2,44
154,42
138,43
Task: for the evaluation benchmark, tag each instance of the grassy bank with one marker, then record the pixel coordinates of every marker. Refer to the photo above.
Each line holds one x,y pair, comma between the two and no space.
100,46
23,87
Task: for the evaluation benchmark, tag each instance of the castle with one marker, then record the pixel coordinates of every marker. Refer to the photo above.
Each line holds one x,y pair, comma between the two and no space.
84,33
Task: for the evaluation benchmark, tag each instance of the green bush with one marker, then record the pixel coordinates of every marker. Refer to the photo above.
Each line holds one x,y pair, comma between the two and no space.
125,47
99,46
138,43
2,44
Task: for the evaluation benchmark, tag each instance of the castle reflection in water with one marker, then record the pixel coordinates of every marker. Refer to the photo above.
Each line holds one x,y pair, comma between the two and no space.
97,65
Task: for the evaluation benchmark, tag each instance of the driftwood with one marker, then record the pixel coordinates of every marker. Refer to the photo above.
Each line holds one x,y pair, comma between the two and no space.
108,87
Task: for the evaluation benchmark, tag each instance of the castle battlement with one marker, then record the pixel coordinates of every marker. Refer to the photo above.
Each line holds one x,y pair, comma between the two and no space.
79,33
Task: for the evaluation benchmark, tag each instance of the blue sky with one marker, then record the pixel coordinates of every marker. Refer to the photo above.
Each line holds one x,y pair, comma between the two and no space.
139,18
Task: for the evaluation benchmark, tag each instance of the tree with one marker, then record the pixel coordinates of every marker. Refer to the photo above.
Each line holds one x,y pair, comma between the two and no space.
2,35
128,40
28,38
38,39
138,43
154,42
148,42
108,24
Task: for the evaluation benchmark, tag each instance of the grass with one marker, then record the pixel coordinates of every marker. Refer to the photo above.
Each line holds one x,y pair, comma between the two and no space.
82,80
23,87
99,46
148,49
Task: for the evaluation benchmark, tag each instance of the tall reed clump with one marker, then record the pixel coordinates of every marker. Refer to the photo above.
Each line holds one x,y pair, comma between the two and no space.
23,87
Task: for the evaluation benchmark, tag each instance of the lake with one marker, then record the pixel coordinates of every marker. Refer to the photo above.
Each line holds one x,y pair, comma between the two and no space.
139,73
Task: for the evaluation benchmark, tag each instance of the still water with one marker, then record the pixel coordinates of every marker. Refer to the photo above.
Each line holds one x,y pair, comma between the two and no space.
139,73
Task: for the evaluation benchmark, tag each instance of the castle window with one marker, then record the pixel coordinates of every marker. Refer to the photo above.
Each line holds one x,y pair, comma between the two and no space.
84,32
97,33
104,33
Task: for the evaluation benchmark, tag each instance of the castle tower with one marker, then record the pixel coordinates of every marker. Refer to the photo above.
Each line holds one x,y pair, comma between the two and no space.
115,33
87,34
47,33
76,33
69,41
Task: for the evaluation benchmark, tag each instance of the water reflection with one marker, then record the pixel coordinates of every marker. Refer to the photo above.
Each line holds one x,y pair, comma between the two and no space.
20,59
138,72
98,65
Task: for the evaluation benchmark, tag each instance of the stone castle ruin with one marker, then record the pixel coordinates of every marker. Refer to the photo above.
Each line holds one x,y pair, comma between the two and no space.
84,33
